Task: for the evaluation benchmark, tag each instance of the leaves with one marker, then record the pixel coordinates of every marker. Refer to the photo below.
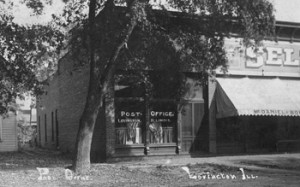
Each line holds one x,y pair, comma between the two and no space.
37,5
26,53
190,40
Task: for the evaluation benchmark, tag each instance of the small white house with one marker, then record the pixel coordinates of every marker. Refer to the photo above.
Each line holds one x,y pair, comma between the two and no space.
8,132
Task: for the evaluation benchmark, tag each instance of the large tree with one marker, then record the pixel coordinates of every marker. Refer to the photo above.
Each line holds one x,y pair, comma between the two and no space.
193,34
188,34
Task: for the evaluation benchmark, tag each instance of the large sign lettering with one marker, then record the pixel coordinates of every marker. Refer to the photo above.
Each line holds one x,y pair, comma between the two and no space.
270,59
257,57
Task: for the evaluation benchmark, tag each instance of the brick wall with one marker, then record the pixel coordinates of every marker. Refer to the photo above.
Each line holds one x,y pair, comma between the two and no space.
72,95
47,104
66,93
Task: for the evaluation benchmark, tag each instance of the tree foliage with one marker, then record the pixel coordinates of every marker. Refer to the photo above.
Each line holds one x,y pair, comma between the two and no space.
133,35
137,35
28,54
183,34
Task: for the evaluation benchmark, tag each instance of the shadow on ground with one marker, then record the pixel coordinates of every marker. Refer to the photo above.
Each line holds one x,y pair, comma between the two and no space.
30,159
276,163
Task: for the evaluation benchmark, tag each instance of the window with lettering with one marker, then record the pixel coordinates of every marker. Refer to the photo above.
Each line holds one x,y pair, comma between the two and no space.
129,122
163,120
129,110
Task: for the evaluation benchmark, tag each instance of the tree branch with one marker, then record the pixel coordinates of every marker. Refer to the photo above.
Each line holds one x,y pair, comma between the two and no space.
110,67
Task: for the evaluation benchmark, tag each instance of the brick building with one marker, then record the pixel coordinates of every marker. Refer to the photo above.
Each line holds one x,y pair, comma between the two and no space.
253,108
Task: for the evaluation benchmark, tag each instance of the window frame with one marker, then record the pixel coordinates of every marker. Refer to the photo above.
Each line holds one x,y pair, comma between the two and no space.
1,128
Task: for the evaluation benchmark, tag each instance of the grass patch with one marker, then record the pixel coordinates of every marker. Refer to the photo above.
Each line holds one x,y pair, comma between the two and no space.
31,159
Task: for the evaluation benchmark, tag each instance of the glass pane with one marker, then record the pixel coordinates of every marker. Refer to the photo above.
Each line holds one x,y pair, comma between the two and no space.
163,120
165,84
128,85
187,126
129,122
198,115
228,130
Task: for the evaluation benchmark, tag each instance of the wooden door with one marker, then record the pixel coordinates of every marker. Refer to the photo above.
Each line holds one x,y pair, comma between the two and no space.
191,119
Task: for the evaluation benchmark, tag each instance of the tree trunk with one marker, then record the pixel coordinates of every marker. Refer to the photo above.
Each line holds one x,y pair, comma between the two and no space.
98,86
81,162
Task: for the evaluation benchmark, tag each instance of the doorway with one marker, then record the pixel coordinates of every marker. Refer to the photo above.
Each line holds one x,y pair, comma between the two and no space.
191,120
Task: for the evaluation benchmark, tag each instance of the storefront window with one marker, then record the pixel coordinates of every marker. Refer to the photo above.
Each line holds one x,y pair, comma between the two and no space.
165,85
163,122
228,130
130,111
129,122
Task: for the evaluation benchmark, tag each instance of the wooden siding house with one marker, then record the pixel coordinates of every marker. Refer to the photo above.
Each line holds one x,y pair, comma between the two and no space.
8,132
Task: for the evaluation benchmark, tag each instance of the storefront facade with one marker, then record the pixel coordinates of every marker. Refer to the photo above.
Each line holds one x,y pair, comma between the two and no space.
153,123
136,120
255,107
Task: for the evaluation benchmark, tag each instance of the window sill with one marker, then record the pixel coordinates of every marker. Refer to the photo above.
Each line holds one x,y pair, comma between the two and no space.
150,145
162,145
130,146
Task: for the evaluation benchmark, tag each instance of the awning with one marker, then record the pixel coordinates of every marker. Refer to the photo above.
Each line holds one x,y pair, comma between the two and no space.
257,97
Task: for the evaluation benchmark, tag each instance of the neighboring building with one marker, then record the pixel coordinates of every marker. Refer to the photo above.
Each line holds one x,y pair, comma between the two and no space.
253,108
26,120
8,132
18,126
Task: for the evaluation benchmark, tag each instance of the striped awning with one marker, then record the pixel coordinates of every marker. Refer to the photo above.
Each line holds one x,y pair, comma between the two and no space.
257,97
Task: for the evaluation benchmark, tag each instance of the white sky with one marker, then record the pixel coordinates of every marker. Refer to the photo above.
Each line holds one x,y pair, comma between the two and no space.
286,10
22,15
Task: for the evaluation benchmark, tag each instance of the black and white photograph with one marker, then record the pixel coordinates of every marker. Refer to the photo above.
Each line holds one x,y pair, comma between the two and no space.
149,93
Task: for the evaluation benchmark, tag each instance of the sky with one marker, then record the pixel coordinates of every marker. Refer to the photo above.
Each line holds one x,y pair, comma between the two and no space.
286,10
22,15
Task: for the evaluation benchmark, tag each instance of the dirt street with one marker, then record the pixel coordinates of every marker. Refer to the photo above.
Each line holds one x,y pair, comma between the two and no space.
49,169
